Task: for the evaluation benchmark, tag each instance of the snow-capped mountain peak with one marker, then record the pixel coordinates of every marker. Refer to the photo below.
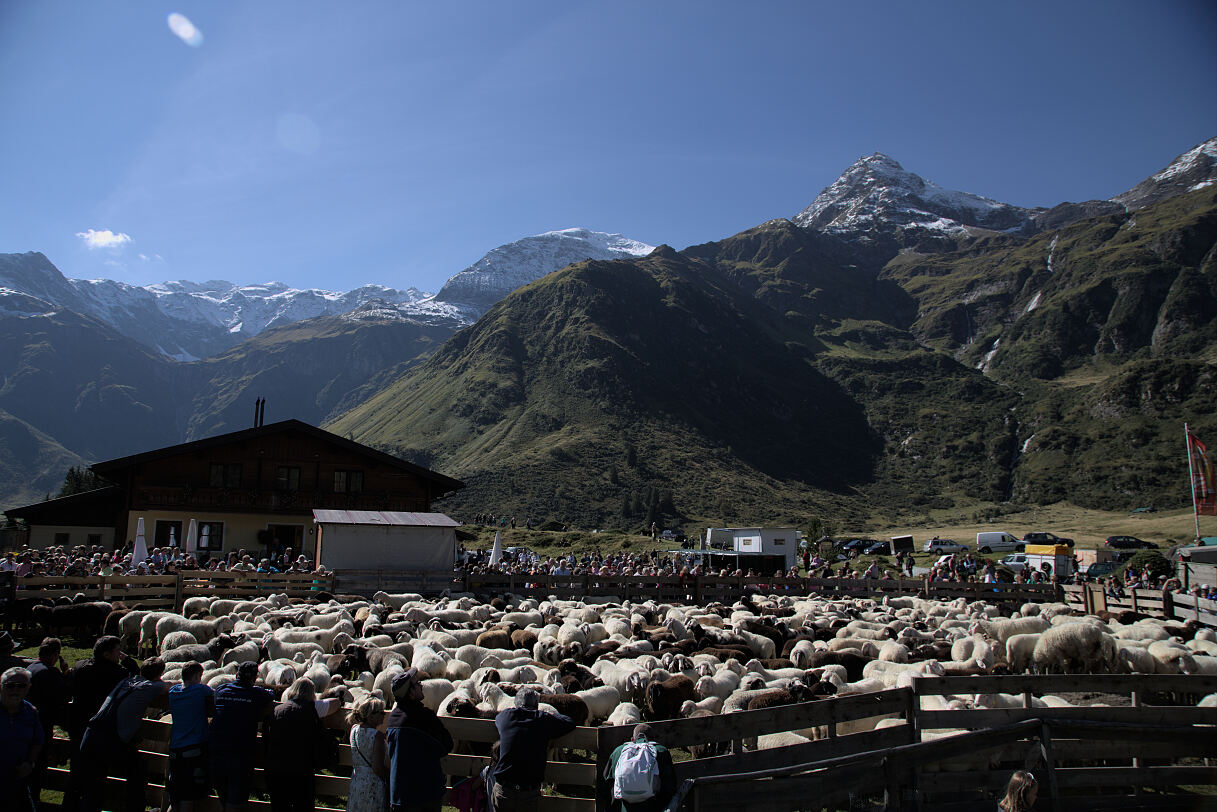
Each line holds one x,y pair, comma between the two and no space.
518,263
877,194
1194,169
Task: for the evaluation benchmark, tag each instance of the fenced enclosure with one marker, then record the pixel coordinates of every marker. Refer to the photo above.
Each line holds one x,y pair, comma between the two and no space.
1143,755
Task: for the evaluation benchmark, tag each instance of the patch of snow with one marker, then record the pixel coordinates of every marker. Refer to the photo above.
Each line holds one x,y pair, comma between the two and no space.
1202,185
1188,160
1026,444
1052,253
1034,303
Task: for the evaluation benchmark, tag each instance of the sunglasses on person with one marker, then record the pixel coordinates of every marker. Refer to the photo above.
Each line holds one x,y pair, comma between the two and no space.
15,685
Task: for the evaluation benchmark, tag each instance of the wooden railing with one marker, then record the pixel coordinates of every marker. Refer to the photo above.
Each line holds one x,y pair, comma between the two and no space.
1094,758
708,588
1091,598
167,590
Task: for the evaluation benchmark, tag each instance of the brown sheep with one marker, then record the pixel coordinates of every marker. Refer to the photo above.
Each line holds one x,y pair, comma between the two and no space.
498,637
523,638
568,705
796,692
663,699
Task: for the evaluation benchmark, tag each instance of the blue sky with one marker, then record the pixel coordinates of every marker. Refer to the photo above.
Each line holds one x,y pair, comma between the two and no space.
329,144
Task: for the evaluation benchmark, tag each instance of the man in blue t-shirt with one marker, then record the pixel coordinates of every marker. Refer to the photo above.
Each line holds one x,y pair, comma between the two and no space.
239,708
190,705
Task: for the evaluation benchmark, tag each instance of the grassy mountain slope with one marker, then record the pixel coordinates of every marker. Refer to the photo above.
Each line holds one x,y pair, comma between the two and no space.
776,375
309,370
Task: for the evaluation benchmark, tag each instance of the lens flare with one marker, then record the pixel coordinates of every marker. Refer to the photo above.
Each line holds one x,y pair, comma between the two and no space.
185,30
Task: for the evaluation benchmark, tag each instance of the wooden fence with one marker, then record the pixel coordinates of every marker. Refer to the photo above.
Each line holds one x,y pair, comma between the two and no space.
166,590
709,588
576,779
1090,598
1093,757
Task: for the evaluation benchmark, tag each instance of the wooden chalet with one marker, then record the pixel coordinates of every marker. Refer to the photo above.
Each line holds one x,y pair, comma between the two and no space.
256,489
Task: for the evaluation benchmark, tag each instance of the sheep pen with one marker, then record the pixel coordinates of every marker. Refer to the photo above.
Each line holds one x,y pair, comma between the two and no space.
616,663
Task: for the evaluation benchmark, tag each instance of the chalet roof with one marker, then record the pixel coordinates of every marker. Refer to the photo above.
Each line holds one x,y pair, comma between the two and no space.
110,468
383,517
98,507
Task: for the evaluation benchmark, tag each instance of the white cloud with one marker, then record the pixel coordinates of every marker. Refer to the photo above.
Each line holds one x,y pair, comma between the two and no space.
94,239
152,258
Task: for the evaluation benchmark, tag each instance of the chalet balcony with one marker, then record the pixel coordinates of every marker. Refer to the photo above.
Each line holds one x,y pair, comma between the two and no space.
238,500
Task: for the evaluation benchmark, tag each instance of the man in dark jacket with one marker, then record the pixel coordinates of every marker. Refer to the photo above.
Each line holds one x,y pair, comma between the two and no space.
90,682
416,740
524,736
49,694
111,743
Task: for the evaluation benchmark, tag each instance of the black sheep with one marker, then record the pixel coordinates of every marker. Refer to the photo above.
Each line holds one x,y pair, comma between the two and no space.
853,663
568,705
664,699
89,617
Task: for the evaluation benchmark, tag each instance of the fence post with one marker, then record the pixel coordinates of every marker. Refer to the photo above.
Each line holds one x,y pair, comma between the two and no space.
1133,593
177,593
1050,767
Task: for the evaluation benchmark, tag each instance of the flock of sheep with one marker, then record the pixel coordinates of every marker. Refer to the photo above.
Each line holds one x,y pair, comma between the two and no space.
620,663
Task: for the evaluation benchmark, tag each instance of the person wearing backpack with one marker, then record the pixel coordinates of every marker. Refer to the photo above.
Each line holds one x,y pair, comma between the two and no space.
640,774
111,740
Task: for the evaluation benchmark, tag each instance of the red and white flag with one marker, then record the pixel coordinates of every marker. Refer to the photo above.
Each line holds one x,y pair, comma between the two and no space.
1203,490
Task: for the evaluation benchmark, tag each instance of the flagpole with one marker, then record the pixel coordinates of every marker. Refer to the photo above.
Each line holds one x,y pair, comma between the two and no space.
1191,477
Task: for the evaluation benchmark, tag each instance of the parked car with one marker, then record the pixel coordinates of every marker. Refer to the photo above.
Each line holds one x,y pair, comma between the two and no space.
1015,562
1101,569
937,545
1046,538
857,544
997,542
1129,543
1147,509
878,548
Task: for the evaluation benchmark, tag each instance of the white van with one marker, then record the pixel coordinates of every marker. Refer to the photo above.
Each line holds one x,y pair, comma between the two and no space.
997,542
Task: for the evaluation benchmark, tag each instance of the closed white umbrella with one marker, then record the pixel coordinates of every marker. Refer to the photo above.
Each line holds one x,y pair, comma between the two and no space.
141,544
172,536
192,536
496,552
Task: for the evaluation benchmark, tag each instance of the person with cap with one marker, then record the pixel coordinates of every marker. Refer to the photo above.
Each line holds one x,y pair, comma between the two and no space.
667,775
415,743
7,658
524,736
239,708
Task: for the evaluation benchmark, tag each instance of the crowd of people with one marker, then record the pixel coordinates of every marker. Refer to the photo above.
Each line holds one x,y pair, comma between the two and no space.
83,561
214,738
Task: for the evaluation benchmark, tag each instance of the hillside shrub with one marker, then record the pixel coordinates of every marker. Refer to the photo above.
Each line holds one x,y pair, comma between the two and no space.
1153,562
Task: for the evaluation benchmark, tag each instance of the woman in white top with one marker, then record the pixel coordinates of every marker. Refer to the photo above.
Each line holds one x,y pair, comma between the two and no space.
368,792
